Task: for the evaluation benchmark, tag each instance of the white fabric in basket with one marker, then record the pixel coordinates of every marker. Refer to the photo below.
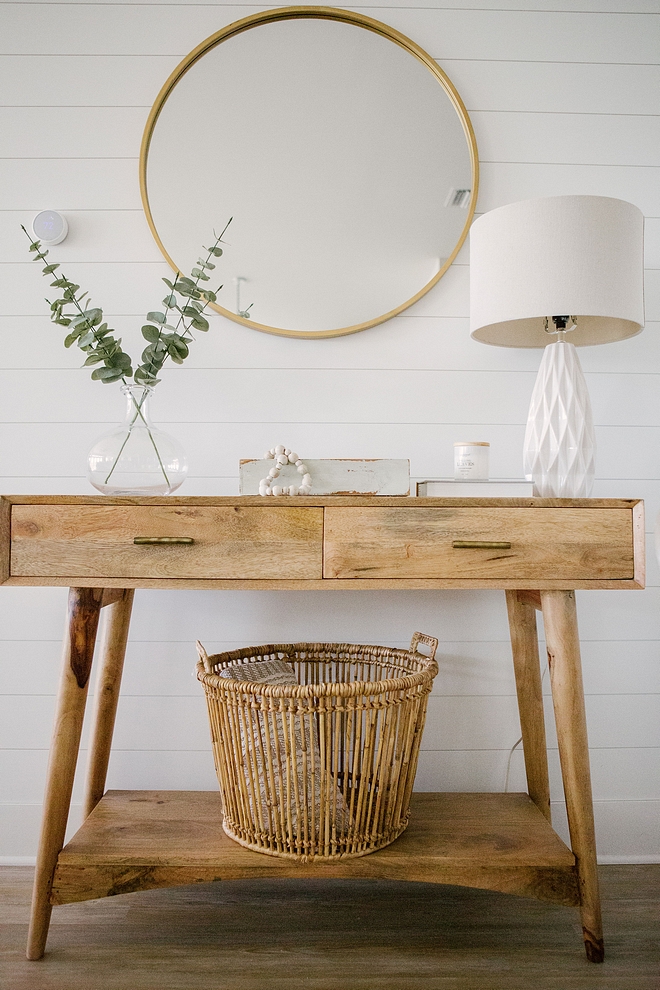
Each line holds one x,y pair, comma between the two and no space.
262,672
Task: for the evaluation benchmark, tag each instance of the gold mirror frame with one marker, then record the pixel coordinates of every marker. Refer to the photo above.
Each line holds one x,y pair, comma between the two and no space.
322,13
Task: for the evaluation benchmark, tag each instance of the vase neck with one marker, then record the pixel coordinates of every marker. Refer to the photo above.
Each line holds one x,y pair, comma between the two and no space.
138,414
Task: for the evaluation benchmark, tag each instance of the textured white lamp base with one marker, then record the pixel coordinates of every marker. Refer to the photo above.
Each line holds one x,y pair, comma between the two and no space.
559,441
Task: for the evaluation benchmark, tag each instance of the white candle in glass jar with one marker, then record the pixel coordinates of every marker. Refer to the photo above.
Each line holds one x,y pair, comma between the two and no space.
471,460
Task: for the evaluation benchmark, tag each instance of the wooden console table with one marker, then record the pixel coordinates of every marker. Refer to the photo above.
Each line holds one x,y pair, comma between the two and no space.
538,550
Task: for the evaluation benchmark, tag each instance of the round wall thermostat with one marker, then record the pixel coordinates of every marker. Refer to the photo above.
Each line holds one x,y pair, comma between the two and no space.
50,227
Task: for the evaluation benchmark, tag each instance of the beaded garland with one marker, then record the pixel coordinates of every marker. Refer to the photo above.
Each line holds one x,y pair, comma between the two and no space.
282,456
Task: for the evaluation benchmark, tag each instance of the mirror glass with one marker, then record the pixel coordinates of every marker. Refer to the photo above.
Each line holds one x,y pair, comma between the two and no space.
343,154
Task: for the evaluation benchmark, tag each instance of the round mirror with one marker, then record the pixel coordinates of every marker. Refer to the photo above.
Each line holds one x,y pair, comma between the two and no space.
340,149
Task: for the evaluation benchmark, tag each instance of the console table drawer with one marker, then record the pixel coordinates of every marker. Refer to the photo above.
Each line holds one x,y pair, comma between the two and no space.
230,542
557,544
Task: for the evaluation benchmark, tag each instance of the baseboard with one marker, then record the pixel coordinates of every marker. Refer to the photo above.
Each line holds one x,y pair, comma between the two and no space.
629,860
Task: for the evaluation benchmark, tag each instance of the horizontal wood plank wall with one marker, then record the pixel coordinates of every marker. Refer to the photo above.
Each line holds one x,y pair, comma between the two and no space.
562,101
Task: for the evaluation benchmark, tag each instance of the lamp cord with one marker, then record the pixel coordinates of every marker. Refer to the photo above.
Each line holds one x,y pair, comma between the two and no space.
515,747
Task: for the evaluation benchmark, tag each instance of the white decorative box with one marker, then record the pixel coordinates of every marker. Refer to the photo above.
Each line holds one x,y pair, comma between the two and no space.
334,476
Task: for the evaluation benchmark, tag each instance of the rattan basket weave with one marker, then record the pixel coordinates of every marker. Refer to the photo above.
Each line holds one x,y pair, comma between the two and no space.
323,767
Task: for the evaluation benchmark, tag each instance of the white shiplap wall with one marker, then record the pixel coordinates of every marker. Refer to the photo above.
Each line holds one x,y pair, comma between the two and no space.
564,97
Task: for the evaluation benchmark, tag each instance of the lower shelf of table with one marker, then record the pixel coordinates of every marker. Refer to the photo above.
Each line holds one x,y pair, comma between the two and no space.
137,840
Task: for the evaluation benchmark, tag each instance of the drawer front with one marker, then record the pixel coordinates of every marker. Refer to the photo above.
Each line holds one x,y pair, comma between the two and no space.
554,544
229,542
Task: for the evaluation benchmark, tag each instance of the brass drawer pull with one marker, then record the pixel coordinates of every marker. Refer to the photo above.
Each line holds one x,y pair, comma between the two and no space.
480,545
162,540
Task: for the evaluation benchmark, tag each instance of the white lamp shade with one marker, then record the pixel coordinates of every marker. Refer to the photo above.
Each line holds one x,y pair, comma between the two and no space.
580,256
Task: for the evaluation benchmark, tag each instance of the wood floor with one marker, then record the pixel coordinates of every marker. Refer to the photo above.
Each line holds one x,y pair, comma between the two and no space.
332,935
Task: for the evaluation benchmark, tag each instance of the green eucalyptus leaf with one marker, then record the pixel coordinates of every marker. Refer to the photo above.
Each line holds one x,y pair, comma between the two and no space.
70,339
209,295
80,321
150,333
155,351
170,302
93,316
87,339
145,376
93,359
49,269
106,374
156,317
199,323
177,346
189,293
124,363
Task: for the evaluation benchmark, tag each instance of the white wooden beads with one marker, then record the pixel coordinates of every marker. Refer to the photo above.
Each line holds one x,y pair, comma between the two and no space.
283,456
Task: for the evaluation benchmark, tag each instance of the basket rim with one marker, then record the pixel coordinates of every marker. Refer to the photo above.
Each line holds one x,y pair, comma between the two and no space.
325,689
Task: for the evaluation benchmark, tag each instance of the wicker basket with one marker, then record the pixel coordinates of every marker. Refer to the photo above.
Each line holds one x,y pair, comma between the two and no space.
322,767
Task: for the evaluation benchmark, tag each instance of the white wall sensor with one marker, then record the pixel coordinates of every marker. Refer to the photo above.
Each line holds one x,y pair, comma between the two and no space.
50,227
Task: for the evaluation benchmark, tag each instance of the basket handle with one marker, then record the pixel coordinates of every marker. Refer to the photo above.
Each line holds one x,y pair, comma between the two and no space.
204,657
429,641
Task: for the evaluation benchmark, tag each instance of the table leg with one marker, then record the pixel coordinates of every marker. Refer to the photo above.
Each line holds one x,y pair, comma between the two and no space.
77,654
561,632
525,649
115,636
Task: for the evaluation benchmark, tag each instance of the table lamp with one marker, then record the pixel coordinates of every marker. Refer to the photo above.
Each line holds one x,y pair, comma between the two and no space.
555,273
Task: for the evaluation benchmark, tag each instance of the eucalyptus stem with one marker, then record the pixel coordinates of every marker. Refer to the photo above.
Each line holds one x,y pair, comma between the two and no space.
209,255
138,412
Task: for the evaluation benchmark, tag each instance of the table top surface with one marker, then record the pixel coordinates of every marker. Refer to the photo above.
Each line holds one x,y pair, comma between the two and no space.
323,500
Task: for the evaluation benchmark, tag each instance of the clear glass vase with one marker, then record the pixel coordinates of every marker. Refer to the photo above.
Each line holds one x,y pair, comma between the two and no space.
137,458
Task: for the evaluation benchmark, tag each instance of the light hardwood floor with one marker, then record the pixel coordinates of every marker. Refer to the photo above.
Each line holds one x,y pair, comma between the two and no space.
333,935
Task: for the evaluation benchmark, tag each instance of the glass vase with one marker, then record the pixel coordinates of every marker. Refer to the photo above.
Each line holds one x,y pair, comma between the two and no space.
137,458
